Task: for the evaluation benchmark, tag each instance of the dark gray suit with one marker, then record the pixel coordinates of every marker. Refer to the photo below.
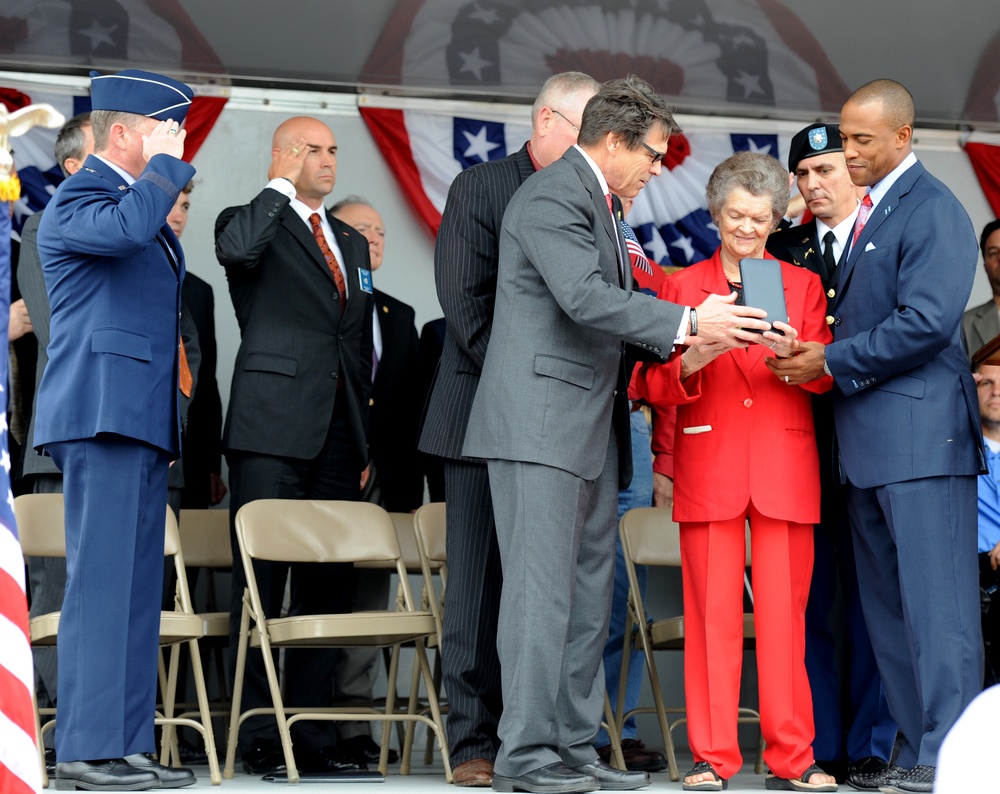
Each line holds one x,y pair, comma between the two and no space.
979,326
552,388
465,272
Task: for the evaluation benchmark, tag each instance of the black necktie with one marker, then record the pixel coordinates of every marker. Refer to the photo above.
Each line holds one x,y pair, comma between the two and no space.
828,258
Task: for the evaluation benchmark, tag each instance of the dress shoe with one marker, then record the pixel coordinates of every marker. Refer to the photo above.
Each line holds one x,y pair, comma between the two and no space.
477,773
113,774
326,760
870,773
170,777
191,754
50,762
638,758
920,778
614,779
555,778
363,750
264,757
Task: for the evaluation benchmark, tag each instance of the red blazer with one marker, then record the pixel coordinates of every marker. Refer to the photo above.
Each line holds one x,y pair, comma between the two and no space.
741,433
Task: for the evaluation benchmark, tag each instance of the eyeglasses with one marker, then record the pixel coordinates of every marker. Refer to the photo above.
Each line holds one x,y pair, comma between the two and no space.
657,156
565,119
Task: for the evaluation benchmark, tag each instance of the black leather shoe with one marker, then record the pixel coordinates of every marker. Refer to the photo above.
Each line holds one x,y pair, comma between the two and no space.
326,760
170,777
50,762
869,773
363,750
638,757
920,778
614,779
555,778
191,754
263,757
109,775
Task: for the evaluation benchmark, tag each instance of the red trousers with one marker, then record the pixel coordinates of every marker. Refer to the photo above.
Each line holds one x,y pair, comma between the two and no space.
713,556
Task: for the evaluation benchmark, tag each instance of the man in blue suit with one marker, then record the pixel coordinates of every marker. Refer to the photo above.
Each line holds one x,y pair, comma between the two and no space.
107,413
907,422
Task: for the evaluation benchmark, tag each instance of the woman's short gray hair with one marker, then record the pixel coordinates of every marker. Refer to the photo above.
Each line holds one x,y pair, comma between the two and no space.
758,174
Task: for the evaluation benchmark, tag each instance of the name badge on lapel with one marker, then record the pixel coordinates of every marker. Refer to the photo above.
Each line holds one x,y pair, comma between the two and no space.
365,280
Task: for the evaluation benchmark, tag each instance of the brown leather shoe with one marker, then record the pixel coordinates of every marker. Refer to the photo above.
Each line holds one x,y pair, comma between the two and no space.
477,773
638,757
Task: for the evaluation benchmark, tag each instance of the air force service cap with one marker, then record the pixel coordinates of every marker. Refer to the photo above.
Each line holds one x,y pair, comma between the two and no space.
142,93
814,140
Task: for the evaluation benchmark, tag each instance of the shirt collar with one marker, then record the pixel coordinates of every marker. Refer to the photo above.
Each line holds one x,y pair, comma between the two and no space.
595,168
129,179
842,231
880,188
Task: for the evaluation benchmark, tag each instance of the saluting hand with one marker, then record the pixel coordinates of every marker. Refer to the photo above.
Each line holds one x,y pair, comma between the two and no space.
287,161
165,138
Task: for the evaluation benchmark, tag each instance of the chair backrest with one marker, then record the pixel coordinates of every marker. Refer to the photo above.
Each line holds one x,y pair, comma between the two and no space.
403,522
205,538
429,523
41,524
650,536
313,530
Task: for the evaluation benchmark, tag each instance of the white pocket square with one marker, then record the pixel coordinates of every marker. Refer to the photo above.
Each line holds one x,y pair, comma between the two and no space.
870,247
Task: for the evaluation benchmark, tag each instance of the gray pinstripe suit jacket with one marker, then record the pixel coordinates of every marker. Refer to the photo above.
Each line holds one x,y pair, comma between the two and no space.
465,272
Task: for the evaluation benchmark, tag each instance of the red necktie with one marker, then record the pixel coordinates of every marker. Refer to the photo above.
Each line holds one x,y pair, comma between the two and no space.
331,258
866,208
608,197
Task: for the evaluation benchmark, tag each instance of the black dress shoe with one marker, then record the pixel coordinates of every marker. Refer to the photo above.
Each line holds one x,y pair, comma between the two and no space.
170,777
918,779
327,760
555,778
264,757
363,750
870,773
638,757
50,762
112,774
614,779
191,754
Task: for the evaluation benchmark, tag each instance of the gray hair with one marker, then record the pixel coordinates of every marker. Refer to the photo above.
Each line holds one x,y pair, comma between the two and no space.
629,107
758,174
560,86
350,201
101,122
70,141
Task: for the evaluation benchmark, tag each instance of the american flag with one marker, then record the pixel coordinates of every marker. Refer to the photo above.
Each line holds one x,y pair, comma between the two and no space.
635,252
19,767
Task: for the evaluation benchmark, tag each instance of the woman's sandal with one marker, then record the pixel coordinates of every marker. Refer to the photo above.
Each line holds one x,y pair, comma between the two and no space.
801,783
701,768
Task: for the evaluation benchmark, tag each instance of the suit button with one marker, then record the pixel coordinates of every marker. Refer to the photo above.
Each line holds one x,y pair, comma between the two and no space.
829,319
748,403
371,402
270,215
333,375
838,321
831,293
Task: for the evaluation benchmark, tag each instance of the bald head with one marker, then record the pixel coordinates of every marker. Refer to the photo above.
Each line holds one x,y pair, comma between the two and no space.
897,103
304,151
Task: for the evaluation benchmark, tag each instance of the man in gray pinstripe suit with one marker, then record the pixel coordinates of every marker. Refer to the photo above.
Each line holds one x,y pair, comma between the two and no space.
465,268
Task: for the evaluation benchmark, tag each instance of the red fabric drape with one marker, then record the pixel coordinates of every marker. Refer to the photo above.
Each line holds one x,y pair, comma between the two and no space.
201,117
985,161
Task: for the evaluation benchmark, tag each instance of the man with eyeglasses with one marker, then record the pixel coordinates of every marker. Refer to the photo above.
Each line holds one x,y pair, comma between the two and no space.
465,272
551,420
982,323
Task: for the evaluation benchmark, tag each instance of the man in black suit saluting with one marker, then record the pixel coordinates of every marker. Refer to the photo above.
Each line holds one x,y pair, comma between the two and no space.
297,423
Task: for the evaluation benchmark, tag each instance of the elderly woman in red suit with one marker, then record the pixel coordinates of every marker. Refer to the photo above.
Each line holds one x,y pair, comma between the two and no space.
744,450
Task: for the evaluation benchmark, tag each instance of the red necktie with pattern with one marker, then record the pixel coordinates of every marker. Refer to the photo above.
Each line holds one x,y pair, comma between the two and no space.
863,213
331,258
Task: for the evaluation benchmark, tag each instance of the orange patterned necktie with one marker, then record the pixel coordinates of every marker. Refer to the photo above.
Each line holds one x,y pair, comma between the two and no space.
331,258
866,208
186,380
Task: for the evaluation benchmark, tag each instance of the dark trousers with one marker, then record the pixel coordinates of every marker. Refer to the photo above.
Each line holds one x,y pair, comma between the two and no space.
915,548
115,491
469,663
315,587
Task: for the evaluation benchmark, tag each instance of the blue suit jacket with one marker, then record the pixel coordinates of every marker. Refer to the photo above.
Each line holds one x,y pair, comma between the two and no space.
115,297
906,405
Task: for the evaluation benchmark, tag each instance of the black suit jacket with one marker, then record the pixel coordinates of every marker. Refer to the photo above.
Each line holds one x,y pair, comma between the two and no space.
465,272
396,406
299,352
801,246
202,448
